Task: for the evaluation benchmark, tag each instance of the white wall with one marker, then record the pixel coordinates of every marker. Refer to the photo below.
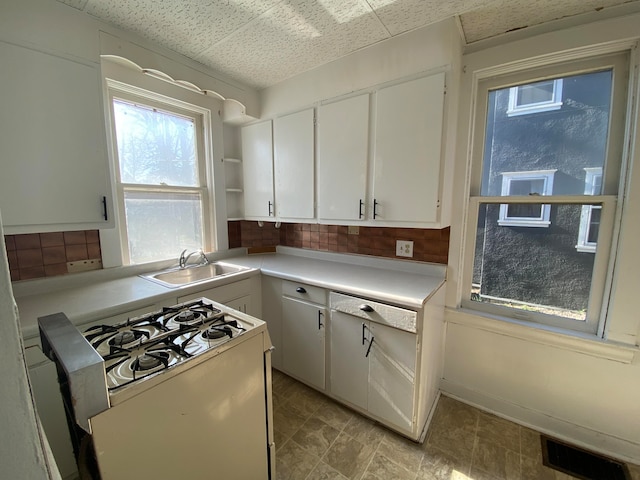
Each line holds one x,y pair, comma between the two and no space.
584,390
56,27
418,51
24,452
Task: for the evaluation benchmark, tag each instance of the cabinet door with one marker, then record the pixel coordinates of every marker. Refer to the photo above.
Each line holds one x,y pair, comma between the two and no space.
52,143
392,368
272,314
349,365
293,163
257,158
303,341
242,304
343,147
408,137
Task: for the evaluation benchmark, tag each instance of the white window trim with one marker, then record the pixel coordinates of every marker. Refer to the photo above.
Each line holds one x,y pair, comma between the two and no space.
554,104
126,92
583,244
483,79
545,215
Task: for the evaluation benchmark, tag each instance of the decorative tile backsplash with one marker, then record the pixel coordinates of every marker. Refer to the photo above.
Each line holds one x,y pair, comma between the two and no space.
38,255
429,245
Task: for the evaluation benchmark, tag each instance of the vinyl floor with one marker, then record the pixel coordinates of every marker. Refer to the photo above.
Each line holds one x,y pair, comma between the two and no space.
319,439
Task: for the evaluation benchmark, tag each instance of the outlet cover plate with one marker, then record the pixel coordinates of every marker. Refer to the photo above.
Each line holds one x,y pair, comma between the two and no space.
404,248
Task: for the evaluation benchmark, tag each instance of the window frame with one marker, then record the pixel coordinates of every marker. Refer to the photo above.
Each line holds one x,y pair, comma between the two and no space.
610,197
555,103
505,220
202,120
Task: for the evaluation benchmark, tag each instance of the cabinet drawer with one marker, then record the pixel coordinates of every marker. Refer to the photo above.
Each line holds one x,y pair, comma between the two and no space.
304,292
376,312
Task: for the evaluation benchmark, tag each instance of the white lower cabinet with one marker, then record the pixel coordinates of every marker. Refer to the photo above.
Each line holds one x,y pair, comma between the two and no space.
303,332
385,361
236,295
272,315
303,341
373,365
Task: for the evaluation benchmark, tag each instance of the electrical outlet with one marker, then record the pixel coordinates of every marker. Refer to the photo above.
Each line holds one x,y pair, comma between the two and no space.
404,248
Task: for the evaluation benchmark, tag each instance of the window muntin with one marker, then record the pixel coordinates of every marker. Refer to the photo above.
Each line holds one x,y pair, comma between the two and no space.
535,183
161,177
546,146
535,97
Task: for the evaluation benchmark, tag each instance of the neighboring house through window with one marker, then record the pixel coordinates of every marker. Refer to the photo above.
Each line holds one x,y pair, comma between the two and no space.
590,215
541,275
535,97
161,175
535,183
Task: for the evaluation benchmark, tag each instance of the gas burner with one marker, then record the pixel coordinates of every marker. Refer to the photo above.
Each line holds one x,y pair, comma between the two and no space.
147,361
215,332
187,316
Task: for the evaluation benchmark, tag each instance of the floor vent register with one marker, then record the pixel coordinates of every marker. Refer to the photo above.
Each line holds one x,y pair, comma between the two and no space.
581,463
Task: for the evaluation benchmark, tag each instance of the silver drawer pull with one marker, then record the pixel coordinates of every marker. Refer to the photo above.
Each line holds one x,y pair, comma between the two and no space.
366,308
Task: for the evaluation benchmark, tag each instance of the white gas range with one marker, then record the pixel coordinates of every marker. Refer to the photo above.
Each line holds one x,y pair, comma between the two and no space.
195,377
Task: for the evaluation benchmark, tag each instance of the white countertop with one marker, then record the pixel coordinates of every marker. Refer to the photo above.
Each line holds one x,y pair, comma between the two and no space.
96,295
408,284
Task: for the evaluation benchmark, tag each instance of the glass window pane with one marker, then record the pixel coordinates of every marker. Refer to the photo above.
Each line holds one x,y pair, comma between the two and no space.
161,225
535,270
568,140
524,210
594,224
155,147
535,92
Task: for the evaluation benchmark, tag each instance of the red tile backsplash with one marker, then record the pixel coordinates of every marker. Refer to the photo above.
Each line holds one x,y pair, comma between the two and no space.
38,255
429,245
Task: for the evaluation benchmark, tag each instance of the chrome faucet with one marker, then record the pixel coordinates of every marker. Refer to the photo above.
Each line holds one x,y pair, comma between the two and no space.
184,259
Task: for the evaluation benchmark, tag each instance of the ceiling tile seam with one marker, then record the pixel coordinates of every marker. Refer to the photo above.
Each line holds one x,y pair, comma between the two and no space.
379,19
241,28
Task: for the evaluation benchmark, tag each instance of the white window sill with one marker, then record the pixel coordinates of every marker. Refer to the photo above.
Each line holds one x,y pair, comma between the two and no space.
546,107
523,223
545,335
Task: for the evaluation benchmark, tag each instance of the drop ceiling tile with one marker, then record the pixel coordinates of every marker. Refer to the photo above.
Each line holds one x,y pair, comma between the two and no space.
400,16
506,15
79,4
187,27
293,37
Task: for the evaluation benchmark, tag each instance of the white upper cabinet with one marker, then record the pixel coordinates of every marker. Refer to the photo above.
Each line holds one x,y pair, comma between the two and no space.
381,165
343,146
257,158
52,143
293,138
407,151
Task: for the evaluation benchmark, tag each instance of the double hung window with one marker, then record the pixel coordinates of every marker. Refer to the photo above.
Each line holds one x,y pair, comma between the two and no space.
570,155
160,175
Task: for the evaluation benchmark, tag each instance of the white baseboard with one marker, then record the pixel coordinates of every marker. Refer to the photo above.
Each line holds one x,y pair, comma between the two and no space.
603,443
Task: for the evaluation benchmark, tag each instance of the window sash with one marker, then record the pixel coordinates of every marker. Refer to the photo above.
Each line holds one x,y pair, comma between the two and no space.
596,308
200,116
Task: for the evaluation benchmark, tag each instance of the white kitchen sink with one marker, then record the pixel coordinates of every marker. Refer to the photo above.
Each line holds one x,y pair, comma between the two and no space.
177,277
